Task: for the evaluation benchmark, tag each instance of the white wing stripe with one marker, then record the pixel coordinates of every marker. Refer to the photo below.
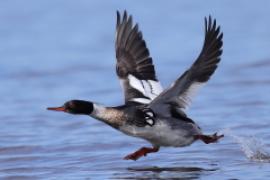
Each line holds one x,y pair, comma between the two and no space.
148,88
141,100
156,87
135,83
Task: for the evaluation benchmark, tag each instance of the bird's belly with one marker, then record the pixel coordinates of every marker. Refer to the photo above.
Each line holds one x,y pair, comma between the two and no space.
161,134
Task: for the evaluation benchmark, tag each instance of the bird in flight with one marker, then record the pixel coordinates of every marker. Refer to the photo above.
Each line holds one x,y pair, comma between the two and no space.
149,112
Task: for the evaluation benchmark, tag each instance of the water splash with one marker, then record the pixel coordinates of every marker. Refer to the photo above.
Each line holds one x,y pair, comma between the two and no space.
252,147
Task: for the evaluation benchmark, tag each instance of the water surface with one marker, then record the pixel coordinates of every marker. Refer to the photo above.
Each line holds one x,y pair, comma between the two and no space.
53,51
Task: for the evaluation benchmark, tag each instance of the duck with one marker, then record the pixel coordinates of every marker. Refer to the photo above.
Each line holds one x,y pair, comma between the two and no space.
150,112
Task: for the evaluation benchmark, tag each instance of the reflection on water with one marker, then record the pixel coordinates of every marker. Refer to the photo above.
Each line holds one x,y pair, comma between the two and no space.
154,172
173,169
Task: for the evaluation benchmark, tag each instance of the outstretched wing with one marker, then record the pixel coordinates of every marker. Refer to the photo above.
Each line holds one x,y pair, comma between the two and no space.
180,93
134,65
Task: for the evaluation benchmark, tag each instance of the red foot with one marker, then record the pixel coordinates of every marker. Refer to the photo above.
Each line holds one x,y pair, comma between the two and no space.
141,152
209,138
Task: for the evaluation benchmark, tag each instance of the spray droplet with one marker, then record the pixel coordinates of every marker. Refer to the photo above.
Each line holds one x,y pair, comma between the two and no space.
252,147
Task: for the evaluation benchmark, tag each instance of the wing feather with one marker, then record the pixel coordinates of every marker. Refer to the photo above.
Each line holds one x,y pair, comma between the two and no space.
134,65
183,89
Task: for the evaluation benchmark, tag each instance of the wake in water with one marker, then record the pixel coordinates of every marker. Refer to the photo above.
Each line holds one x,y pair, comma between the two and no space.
252,147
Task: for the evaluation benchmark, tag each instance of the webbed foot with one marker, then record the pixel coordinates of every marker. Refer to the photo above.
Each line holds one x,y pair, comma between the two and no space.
207,139
141,152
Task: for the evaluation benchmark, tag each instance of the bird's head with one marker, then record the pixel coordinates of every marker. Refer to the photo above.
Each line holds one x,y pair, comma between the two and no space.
75,107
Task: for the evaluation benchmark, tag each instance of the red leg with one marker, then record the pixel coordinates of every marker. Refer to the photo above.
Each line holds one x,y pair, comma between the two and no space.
141,152
209,138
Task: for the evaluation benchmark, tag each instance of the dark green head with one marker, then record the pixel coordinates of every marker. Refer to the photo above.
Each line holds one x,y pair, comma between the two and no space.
75,107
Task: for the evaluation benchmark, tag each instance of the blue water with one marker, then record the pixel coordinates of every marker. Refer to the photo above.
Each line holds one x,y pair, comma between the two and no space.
54,51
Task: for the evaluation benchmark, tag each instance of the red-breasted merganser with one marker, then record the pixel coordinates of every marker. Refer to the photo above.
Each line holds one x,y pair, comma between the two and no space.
150,112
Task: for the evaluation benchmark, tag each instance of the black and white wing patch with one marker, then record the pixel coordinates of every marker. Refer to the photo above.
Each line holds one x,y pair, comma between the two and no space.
182,90
134,65
149,116
144,117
